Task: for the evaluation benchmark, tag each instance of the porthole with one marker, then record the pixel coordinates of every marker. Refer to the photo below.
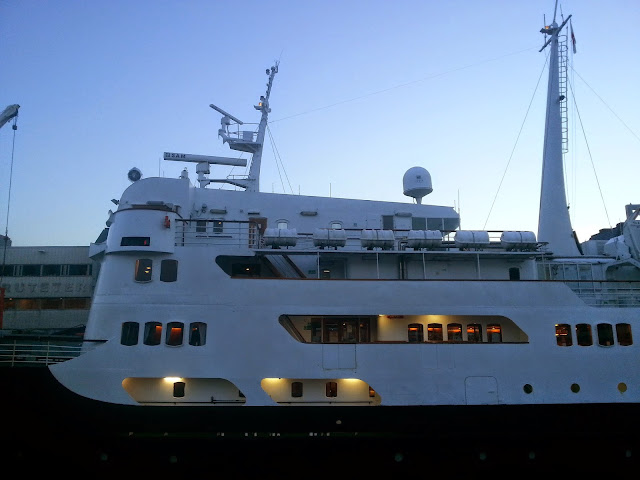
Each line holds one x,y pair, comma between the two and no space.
622,387
575,388
527,388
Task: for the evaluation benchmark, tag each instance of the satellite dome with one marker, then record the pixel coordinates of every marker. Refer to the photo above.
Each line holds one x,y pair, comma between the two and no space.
416,183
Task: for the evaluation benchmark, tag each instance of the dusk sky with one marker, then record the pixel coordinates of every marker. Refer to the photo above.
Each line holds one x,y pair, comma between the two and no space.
365,91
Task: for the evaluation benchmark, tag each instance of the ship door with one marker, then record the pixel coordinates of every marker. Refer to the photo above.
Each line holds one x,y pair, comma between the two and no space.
257,226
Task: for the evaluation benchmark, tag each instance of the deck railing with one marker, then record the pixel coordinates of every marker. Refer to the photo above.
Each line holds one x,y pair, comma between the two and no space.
15,353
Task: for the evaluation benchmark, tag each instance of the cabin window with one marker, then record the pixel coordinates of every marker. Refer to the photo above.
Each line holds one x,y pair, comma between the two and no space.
583,334
218,226
416,333
296,389
135,242
175,332
51,270
474,332
152,333
129,334
31,270
434,332
494,333
514,273
418,223
349,331
605,334
168,270
563,335
623,332
387,222
332,389
454,332
197,334
201,226
178,389
364,331
143,270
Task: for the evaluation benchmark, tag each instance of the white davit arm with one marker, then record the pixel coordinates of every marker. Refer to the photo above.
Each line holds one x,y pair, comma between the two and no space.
8,113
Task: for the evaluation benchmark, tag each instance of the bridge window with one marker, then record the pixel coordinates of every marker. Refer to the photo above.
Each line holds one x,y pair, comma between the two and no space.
416,333
332,389
583,334
129,334
135,242
175,332
474,332
152,333
494,333
296,389
197,334
605,334
454,332
623,332
168,270
563,335
434,332
143,270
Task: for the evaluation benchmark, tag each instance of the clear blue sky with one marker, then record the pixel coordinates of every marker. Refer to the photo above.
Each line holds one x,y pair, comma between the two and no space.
366,90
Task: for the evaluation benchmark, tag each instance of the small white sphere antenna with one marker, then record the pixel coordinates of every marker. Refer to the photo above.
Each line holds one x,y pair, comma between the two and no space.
416,183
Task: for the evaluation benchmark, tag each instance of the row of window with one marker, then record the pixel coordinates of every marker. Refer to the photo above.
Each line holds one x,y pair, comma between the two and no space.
174,334
62,303
454,332
45,270
331,390
584,336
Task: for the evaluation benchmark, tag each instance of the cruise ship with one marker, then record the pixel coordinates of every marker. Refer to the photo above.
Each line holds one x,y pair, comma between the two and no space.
235,327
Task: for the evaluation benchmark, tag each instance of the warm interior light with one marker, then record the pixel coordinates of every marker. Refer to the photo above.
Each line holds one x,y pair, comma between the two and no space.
172,379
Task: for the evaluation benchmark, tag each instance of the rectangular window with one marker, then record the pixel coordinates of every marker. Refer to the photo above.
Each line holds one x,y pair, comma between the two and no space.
387,222
434,332
135,242
143,270
79,270
6,270
514,273
201,226
316,331
296,389
27,303
563,335
76,303
474,333
623,332
129,333
51,304
364,331
178,389
454,332
332,389
175,332
583,334
31,270
197,334
331,331
217,226
168,270
494,333
152,333
605,334
418,223
415,333
51,270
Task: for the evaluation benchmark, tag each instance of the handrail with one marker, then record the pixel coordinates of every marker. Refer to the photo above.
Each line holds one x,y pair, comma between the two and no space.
13,354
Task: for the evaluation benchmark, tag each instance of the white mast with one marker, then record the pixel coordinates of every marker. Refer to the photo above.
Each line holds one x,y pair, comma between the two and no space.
554,224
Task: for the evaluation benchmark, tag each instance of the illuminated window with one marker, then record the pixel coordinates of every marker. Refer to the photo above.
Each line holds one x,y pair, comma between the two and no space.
218,226
416,333
332,389
175,332
135,242
605,334
296,389
152,333
494,333
372,392
583,334
143,270
434,332
623,332
129,334
197,334
474,332
168,270
563,335
454,332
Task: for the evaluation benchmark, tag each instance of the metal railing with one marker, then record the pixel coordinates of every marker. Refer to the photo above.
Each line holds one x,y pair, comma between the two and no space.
606,293
15,353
